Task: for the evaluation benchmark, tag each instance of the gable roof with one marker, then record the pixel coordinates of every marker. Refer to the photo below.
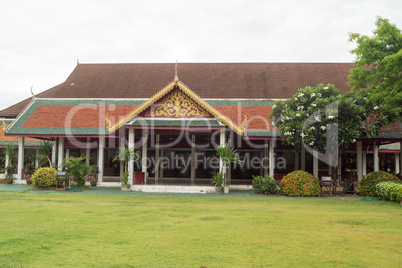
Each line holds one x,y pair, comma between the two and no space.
163,92
208,80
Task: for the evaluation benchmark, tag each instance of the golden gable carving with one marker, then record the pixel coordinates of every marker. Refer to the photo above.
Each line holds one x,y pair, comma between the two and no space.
177,104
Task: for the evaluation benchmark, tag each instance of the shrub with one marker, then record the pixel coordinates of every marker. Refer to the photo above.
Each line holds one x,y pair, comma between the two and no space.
391,191
44,177
300,183
265,185
367,185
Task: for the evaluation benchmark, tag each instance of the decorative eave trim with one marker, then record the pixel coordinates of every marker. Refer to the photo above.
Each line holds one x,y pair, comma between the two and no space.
141,108
225,120
214,112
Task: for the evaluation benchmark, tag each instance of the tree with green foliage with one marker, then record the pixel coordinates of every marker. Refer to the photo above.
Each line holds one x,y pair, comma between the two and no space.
45,150
323,119
125,155
378,72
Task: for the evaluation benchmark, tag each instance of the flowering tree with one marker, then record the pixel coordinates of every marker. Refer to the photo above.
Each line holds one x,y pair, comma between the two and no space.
323,119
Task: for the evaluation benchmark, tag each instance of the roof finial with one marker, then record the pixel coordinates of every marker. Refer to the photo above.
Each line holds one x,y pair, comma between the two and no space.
33,95
176,77
78,62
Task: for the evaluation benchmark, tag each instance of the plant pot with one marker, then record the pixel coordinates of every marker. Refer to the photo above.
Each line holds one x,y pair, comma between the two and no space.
29,181
218,190
93,183
125,188
10,181
226,189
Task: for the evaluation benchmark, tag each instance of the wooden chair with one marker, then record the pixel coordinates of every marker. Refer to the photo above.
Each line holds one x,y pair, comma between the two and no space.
61,176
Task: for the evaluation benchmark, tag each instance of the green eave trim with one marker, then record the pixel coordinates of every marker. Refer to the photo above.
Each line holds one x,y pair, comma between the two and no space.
26,143
395,147
60,131
175,123
262,133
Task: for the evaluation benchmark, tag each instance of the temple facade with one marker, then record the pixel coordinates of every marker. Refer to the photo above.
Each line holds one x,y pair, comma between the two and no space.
175,124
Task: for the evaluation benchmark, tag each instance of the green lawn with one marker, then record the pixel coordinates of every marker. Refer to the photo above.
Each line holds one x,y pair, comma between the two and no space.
48,230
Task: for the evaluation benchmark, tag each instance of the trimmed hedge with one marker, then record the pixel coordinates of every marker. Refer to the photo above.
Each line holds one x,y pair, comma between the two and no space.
391,191
300,183
264,185
44,177
368,184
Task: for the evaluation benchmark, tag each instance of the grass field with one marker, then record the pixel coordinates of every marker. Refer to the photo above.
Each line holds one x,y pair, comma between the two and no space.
50,230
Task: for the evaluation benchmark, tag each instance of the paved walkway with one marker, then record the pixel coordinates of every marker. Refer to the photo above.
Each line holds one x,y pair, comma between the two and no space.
116,191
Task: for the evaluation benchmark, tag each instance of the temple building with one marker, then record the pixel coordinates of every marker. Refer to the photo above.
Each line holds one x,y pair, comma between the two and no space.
175,116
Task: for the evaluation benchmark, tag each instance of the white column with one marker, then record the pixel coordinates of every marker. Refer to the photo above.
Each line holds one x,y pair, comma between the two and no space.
296,161
222,144
131,161
36,158
67,153
88,150
192,159
315,163
121,163
397,167
266,157
271,158
6,163
20,157
101,150
144,155
54,153
157,157
303,158
364,164
375,157
60,154
359,159
160,167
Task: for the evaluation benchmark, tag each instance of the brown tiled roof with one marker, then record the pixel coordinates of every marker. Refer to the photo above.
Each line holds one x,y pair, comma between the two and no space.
208,80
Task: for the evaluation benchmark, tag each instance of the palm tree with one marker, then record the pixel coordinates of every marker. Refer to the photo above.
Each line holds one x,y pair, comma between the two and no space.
125,154
46,149
11,153
227,155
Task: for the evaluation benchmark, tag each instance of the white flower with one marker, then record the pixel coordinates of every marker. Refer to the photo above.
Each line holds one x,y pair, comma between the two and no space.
303,135
273,124
331,117
319,94
325,88
301,95
312,94
298,115
354,140
314,105
273,107
312,143
312,128
317,118
323,127
295,98
376,108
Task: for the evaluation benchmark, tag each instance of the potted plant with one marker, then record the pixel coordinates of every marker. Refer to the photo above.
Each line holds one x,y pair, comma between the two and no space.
11,153
124,155
227,154
218,180
125,184
92,175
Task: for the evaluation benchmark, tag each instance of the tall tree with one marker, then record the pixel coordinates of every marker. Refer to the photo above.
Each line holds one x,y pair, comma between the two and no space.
379,67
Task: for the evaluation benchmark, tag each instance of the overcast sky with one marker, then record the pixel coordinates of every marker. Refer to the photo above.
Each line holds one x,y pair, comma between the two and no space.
42,40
